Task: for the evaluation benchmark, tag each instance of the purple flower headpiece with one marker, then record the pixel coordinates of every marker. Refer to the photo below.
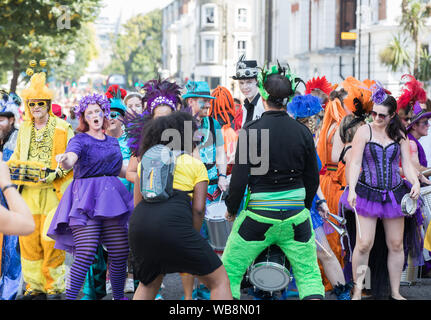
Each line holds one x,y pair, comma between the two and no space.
98,99
159,92
380,94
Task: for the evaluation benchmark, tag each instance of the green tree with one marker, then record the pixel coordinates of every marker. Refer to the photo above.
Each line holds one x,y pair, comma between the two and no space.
40,29
83,50
137,51
396,55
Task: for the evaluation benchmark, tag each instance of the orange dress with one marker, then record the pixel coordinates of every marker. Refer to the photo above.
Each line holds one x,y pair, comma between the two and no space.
331,176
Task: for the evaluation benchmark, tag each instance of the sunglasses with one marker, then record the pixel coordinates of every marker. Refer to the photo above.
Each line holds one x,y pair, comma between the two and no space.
37,104
380,115
424,123
114,115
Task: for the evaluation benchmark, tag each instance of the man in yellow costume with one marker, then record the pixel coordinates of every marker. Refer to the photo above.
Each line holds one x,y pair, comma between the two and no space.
41,137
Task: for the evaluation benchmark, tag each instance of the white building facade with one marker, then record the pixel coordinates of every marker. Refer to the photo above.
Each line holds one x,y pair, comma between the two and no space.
203,39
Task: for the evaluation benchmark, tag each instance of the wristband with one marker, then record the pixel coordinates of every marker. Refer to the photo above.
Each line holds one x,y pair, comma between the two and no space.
7,187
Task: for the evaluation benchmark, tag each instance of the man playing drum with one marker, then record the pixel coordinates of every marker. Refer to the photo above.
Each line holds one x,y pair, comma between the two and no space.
277,209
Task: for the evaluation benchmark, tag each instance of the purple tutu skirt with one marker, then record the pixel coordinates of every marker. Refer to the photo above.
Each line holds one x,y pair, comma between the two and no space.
89,201
377,203
384,205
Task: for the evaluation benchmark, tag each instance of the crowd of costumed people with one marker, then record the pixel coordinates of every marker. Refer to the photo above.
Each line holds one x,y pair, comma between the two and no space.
295,191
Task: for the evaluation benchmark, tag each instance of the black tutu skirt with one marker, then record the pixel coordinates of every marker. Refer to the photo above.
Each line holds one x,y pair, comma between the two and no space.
162,240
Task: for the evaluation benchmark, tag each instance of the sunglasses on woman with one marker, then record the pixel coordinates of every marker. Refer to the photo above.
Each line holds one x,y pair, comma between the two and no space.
380,115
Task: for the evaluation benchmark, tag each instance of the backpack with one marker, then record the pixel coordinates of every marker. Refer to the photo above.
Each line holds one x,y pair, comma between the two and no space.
157,173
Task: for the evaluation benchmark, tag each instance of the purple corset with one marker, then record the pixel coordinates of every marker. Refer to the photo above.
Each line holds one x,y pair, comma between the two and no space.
380,166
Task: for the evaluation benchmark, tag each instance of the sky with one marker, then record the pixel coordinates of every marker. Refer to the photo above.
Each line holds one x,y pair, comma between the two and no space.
129,8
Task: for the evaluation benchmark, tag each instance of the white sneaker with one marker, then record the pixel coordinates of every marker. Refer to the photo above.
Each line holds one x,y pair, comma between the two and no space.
129,287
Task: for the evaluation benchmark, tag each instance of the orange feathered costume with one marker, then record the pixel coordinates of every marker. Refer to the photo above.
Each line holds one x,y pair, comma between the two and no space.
332,179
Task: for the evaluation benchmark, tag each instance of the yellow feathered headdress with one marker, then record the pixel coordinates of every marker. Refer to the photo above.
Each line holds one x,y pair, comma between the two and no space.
36,90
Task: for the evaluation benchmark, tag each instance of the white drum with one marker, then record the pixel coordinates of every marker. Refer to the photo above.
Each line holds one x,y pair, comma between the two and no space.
218,227
270,271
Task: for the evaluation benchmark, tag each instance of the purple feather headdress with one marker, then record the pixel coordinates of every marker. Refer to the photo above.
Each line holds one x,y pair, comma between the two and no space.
95,98
380,94
133,126
159,92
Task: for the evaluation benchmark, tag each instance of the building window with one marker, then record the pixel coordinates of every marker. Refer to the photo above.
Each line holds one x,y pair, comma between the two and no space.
242,47
209,49
242,17
209,14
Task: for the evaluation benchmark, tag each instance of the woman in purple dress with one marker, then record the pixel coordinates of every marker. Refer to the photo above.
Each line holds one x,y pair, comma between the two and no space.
96,206
376,190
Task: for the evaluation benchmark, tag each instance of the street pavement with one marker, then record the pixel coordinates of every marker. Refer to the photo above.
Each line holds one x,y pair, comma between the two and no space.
420,290
173,288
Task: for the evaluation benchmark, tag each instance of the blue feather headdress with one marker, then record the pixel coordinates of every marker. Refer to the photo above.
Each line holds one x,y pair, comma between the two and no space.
304,106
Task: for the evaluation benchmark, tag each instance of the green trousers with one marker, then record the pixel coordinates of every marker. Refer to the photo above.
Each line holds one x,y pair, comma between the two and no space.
253,233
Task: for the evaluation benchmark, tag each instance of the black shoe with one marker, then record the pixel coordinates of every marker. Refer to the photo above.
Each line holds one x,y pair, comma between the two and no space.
392,298
32,295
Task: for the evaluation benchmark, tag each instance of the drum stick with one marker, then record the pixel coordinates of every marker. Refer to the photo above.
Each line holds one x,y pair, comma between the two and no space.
358,223
320,245
221,197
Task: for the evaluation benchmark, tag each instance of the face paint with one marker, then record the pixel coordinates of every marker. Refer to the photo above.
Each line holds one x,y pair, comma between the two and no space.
91,115
248,88
202,103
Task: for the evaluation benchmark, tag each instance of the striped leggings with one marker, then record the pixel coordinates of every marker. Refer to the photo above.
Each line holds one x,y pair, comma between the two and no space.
87,238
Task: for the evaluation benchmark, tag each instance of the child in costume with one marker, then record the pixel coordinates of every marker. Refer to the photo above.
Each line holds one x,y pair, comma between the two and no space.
376,191
96,206
278,208
41,137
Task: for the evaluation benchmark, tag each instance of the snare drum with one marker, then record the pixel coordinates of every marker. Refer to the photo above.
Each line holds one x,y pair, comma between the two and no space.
408,205
270,270
218,227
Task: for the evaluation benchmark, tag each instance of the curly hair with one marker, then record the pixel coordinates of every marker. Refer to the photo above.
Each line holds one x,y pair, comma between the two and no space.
156,128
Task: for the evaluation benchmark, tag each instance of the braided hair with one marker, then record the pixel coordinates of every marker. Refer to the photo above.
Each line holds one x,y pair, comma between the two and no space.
223,106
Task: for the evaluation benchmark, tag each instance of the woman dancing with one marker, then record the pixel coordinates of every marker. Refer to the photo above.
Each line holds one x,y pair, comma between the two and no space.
96,206
376,190
164,236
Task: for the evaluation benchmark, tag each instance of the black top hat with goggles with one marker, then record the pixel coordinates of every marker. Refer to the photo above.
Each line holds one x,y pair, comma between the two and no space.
246,69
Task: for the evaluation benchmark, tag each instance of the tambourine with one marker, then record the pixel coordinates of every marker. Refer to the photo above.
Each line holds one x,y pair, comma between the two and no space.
408,205
28,172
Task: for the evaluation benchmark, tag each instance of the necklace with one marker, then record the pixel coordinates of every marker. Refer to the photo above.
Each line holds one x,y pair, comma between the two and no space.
40,134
